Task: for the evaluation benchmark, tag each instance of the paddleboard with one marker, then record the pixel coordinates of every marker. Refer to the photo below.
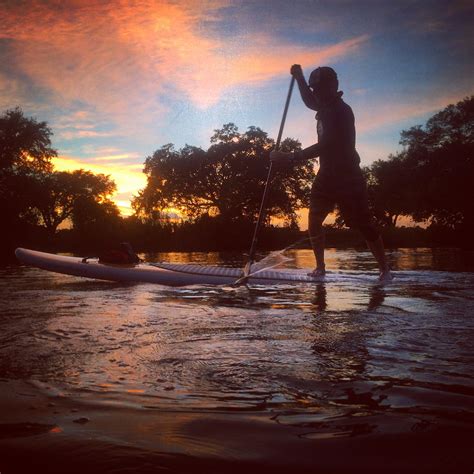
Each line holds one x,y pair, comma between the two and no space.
170,274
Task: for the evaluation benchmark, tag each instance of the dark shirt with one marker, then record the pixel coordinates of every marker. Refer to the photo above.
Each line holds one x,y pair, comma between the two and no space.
338,158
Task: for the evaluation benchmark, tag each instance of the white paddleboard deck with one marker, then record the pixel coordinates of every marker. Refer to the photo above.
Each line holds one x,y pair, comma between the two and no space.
160,273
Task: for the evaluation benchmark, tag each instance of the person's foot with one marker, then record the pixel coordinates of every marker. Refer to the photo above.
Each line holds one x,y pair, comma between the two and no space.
385,276
317,274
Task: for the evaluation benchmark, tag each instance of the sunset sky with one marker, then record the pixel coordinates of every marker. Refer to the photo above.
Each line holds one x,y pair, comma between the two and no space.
118,79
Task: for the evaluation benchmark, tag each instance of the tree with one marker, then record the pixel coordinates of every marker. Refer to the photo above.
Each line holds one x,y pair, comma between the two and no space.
35,198
431,179
439,159
227,180
76,195
25,150
390,189
92,215
25,144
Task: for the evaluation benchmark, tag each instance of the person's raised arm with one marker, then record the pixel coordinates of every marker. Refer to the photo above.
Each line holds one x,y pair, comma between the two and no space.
305,91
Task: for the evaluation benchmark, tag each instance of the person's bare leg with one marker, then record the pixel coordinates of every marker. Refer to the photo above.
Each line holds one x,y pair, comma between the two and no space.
378,251
317,238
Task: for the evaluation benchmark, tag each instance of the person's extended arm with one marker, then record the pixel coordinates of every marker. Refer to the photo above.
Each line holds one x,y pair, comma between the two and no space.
312,151
305,91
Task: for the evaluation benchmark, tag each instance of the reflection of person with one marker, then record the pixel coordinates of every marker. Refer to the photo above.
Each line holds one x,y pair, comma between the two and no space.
377,297
339,180
341,344
320,300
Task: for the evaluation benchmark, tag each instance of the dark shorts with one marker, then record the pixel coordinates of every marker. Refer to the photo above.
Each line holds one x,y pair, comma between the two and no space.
350,196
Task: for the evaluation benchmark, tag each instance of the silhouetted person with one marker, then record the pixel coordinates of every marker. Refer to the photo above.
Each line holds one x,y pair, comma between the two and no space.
339,180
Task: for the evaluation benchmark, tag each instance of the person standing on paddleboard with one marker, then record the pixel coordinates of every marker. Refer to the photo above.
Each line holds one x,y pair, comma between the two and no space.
339,180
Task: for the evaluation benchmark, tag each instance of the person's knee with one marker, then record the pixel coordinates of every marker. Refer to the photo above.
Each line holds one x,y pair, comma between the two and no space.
316,217
364,224
315,227
369,231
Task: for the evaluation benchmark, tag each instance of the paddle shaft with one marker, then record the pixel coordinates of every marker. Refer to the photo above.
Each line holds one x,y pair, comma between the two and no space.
261,212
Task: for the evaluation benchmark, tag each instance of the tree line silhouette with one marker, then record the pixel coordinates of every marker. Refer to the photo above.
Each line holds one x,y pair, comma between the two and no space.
216,192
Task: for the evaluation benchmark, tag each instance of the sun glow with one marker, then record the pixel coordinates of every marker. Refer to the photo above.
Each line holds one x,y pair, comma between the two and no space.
129,178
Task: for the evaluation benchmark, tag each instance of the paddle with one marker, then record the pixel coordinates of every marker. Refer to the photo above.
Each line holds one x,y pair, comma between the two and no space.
261,212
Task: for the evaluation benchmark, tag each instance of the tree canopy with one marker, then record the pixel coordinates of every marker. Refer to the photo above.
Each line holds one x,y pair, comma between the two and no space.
25,143
226,180
25,150
75,195
32,192
431,178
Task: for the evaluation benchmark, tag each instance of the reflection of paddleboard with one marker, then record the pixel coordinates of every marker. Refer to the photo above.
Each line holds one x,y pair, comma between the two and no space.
162,273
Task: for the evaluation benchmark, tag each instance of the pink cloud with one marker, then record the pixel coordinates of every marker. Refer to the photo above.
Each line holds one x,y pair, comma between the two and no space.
389,111
70,135
119,58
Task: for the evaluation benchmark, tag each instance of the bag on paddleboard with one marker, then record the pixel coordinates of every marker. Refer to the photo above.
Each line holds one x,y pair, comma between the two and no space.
123,254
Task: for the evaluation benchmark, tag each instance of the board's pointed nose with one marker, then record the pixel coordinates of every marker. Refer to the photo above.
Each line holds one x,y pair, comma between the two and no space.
19,252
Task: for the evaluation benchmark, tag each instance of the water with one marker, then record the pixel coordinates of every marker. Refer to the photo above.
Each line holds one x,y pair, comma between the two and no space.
337,360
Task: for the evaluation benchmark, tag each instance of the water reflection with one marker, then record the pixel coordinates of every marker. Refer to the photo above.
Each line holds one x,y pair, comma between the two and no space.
377,297
320,347
375,292
320,298
400,259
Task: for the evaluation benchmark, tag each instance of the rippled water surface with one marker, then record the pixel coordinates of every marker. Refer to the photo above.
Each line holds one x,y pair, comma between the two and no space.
326,357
